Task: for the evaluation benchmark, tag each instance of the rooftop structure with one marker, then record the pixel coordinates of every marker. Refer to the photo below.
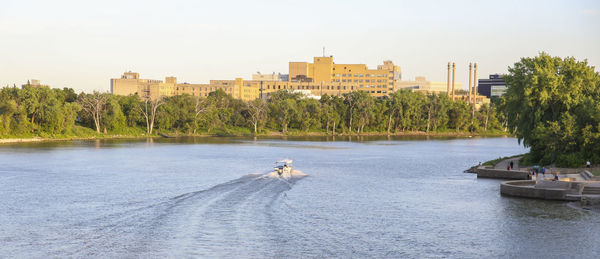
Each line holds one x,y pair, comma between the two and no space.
32,83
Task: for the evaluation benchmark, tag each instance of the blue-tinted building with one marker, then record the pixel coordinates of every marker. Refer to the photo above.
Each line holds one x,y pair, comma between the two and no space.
493,87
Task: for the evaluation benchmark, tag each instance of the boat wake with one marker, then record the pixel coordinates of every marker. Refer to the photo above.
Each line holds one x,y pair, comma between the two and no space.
225,220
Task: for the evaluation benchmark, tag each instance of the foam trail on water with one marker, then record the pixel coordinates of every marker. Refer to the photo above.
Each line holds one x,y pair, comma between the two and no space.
222,221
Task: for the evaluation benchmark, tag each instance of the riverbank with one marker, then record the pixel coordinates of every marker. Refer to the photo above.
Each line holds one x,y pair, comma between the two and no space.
579,185
268,134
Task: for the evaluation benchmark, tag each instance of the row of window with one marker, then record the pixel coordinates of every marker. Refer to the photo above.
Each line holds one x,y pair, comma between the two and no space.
311,87
360,75
326,87
227,89
360,80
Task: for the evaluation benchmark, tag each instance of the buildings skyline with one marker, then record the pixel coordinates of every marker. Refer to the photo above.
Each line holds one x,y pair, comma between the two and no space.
322,76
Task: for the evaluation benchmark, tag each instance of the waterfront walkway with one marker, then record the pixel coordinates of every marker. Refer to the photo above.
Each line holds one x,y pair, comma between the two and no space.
504,163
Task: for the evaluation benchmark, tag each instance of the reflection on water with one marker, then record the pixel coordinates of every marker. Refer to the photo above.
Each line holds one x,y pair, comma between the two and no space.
373,196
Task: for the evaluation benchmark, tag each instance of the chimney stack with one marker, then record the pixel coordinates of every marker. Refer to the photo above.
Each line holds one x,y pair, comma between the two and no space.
470,75
453,78
448,85
474,84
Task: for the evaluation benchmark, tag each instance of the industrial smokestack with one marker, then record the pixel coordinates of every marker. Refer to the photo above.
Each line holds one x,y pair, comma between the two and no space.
474,84
470,74
448,85
453,78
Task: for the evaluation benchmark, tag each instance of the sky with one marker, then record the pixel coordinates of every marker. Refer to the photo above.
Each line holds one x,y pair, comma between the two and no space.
82,44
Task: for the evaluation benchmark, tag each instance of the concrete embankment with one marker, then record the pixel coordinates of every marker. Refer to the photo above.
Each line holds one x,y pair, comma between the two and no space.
499,171
487,172
548,190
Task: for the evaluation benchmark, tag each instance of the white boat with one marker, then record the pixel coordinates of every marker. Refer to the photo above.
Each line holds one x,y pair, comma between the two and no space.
284,168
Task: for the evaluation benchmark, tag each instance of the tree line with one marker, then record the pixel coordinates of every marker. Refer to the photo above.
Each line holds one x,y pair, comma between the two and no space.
42,111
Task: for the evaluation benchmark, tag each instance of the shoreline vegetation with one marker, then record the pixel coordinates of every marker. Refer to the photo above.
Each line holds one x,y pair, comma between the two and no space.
45,113
267,134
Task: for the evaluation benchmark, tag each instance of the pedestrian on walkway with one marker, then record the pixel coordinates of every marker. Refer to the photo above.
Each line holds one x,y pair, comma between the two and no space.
511,164
508,168
543,171
588,164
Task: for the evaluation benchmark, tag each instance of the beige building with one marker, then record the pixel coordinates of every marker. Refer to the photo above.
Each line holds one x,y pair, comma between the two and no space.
322,76
325,76
131,83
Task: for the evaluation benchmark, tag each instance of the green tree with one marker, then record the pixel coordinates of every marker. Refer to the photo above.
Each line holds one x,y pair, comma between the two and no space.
257,113
283,108
459,114
552,105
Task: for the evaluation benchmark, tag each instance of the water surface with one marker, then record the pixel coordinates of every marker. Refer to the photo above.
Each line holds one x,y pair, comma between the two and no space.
206,197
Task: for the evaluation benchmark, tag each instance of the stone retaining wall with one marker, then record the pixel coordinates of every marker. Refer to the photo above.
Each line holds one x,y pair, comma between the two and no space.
484,172
549,190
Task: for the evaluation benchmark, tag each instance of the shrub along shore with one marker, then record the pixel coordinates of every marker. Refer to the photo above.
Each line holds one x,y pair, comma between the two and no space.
91,136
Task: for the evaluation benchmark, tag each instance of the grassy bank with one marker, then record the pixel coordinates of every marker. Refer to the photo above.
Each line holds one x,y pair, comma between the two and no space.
497,160
524,161
79,133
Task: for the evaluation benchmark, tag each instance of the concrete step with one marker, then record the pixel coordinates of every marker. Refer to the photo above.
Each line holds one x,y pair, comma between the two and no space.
586,175
591,190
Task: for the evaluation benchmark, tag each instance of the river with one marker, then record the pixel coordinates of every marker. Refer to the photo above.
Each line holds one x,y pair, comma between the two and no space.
207,197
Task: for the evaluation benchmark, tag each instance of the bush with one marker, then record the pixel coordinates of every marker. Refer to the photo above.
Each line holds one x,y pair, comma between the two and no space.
572,160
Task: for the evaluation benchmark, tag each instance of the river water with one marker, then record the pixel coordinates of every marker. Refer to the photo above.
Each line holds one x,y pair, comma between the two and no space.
207,197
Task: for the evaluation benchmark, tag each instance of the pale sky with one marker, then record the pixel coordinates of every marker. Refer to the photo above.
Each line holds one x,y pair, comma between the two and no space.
82,44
